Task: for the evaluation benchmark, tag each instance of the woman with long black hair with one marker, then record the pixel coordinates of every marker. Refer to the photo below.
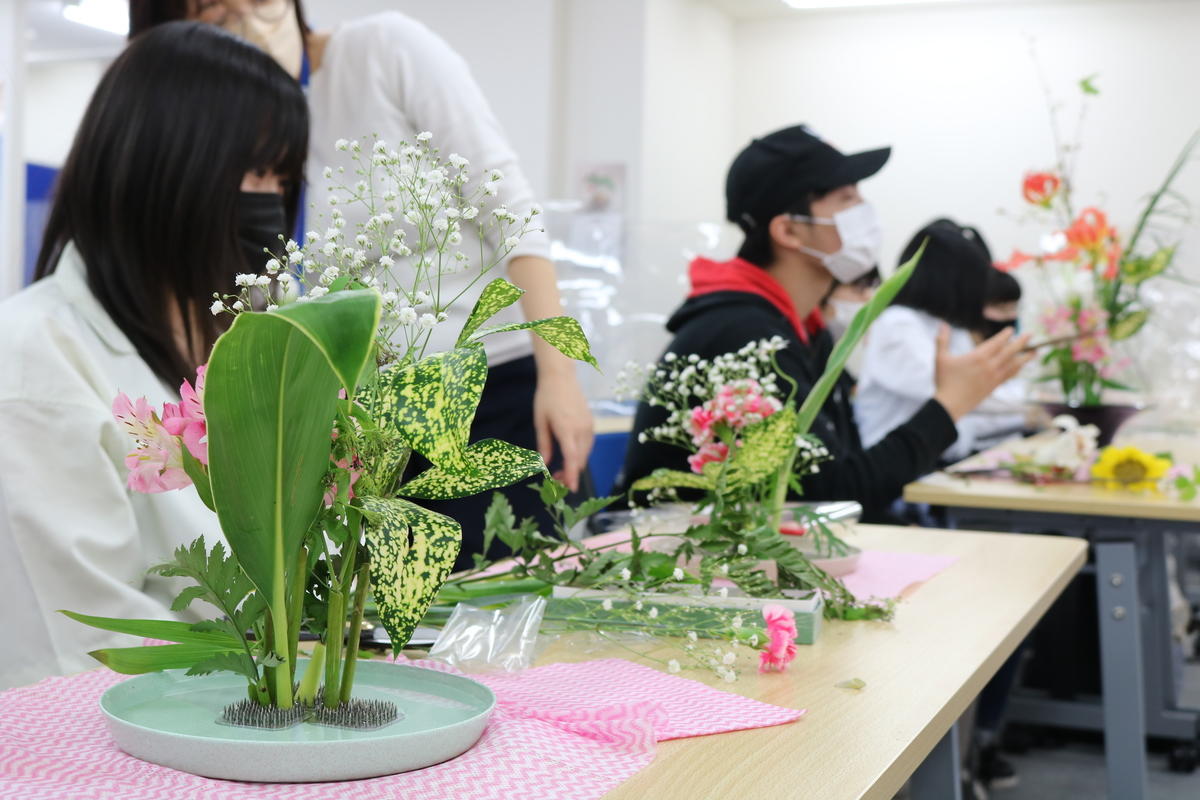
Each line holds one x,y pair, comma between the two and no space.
186,165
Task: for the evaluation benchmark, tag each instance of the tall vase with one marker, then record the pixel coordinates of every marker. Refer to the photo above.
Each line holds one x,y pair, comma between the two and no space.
1108,418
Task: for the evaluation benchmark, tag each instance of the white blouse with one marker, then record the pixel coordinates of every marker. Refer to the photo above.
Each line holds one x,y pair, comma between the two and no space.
72,535
389,75
898,376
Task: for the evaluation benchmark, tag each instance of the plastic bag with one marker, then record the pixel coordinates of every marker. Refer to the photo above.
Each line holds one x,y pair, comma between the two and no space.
492,640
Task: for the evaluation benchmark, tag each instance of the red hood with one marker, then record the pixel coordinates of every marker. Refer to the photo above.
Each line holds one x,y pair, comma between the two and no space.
708,276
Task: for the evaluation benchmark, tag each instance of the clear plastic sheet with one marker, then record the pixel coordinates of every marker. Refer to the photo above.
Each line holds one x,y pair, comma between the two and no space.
492,640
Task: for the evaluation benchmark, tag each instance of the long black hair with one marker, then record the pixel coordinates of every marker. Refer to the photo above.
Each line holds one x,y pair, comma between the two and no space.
951,281
148,192
145,14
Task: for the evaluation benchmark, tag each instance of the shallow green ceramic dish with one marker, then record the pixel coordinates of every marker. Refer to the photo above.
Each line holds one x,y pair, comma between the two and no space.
170,719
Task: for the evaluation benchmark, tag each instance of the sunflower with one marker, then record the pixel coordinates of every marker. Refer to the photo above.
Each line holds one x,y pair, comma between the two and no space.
1130,468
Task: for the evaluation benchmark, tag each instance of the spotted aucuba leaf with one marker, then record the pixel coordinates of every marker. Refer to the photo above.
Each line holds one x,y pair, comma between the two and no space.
673,479
431,403
492,464
561,333
412,552
764,448
497,295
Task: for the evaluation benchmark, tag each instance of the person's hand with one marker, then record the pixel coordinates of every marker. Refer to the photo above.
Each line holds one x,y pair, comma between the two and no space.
561,415
964,381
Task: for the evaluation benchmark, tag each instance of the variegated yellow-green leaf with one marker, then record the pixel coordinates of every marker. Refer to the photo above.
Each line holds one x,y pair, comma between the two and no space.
412,551
561,333
491,465
673,479
1135,270
764,449
1128,325
497,295
432,403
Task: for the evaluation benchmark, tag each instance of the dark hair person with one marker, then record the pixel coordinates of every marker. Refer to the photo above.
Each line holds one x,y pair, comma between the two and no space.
174,226
184,168
944,299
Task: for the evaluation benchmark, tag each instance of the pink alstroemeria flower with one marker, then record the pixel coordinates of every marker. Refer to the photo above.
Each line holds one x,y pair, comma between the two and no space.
156,462
354,467
1090,349
781,635
186,418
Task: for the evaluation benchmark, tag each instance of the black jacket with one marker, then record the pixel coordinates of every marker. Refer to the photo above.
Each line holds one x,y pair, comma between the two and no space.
722,322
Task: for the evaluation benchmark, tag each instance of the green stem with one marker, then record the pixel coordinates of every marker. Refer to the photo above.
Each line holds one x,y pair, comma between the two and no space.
336,624
281,642
307,694
296,608
356,618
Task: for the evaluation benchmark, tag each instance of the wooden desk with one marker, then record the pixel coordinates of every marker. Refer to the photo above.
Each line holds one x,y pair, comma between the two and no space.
1127,531
921,671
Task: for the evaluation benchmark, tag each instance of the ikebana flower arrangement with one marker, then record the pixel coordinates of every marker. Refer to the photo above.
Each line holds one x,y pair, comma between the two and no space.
1092,274
747,438
298,431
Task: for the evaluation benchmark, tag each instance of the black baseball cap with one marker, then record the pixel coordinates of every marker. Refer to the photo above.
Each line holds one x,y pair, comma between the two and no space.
773,174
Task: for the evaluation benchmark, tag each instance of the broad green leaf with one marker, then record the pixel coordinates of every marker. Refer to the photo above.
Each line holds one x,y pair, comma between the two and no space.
165,630
136,660
271,399
765,447
858,327
663,478
412,552
497,295
1137,269
199,476
561,333
432,403
1128,325
489,464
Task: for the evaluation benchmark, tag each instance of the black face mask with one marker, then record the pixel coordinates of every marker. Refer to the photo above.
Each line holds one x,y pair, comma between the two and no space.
990,327
261,220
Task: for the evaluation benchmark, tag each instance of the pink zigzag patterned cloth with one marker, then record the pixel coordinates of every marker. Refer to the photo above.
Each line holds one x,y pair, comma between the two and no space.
560,731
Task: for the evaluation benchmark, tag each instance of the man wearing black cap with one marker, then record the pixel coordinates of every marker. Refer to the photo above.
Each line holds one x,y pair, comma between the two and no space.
796,199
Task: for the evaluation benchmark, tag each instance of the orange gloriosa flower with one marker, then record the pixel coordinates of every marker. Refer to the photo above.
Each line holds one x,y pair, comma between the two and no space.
1040,188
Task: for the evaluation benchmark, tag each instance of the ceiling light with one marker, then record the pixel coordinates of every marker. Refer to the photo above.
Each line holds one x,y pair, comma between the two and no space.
106,15
812,5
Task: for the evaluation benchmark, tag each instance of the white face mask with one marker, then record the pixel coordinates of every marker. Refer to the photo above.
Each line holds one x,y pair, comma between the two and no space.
862,238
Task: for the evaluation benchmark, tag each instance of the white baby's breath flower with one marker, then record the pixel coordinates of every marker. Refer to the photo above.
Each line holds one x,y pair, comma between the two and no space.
457,161
341,144
245,279
653,613
263,281
424,136
428,321
408,315
386,262
327,173
330,274
330,249
730,676
723,592
454,239
274,266
638,606
673,666
691,635
511,242
286,280
422,298
470,212
442,316
217,307
238,305
742,549
737,623
677,574
607,604
318,291
490,189
495,175
729,658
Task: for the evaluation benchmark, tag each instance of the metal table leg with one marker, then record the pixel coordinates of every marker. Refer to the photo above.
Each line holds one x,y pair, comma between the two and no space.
940,775
1121,669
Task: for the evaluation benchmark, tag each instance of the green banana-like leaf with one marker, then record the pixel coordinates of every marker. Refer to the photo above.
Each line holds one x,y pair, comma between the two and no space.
491,464
412,552
497,295
136,660
854,333
270,399
432,403
162,629
663,478
561,333
1128,325
764,449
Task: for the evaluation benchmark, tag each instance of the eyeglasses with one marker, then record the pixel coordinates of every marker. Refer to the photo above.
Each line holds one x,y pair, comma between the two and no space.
232,14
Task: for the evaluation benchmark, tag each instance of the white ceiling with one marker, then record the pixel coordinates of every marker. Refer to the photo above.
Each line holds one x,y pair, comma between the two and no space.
760,9
51,37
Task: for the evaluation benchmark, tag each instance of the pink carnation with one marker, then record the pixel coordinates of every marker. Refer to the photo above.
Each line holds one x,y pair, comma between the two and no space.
713,452
186,419
700,424
781,638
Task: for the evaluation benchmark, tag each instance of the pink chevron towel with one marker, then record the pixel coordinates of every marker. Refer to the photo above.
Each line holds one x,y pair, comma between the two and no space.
560,731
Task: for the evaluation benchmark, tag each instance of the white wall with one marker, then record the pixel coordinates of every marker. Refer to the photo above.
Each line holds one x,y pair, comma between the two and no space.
56,95
955,91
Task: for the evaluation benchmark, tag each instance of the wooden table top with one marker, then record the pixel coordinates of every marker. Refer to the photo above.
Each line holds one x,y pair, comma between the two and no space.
921,671
998,492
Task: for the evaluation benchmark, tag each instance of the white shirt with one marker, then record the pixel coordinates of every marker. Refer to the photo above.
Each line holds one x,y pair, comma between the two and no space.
898,376
72,536
389,75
